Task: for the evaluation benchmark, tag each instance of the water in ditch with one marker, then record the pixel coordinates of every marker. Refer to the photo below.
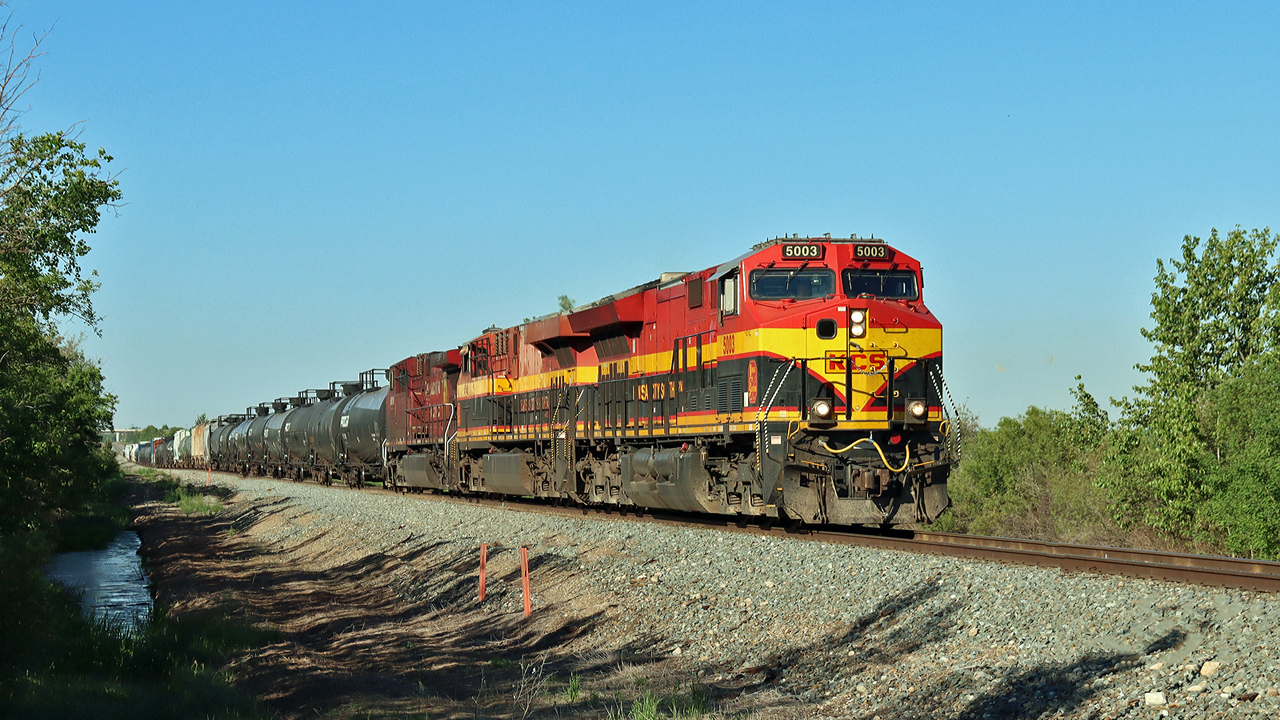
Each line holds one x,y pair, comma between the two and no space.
111,580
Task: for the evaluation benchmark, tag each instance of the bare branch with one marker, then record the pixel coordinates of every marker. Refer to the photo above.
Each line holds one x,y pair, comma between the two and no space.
17,76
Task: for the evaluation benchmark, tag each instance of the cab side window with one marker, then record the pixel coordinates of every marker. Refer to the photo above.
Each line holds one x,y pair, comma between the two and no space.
729,294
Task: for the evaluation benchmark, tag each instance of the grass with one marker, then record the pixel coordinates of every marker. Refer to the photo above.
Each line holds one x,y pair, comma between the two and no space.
573,690
650,705
191,498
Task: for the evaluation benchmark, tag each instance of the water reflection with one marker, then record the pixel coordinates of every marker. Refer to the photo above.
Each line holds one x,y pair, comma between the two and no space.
111,580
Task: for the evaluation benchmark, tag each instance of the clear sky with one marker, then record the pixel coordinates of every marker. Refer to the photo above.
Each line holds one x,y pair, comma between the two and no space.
314,189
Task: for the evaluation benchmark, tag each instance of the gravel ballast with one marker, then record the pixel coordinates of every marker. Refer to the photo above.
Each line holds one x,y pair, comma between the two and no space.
835,630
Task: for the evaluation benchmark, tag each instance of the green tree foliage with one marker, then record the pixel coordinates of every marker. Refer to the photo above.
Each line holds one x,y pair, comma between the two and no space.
52,404
148,433
52,407
51,195
1214,310
566,303
1241,420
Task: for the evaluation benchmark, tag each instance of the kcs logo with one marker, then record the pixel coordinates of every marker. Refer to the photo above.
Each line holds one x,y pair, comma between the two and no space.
865,363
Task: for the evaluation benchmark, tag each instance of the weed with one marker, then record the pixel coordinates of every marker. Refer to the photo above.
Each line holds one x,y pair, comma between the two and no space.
574,688
694,705
645,707
500,663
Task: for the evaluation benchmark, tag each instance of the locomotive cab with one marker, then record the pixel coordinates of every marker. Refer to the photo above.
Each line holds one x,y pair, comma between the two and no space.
848,388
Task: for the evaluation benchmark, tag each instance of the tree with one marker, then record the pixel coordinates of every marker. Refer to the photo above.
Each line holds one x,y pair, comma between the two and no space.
1241,418
149,433
53,195
566,303
1214,309
52,403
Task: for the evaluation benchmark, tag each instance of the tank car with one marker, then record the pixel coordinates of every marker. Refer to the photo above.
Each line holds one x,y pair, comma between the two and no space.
801,381
182,448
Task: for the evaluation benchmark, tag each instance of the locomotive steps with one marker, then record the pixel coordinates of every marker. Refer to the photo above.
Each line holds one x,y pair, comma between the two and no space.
374,595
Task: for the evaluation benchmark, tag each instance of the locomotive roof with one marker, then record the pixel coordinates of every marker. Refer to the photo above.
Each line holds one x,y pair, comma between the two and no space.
720,271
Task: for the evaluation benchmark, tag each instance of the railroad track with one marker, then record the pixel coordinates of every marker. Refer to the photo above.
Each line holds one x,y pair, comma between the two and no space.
1226,572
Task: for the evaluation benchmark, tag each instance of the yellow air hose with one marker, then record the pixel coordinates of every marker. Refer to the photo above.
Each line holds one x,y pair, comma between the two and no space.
905,462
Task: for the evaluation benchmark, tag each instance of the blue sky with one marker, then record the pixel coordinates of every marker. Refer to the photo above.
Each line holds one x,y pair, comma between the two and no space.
315,189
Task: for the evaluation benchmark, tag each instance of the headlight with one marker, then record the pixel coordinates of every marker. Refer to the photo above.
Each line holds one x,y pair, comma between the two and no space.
857,330
857,316
917,409
821,409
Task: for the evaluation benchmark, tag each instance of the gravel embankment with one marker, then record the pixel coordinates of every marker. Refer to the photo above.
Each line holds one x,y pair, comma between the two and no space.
842,631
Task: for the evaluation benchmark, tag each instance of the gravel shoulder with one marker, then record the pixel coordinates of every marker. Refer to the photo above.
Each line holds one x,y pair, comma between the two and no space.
375,598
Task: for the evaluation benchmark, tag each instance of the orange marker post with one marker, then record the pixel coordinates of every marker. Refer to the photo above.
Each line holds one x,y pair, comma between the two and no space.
524,578
484,552
208,477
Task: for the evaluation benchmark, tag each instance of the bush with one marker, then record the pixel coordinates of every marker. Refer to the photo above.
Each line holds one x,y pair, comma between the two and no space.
1032,476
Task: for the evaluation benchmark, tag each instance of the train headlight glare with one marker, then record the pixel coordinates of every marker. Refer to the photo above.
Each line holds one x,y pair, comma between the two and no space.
917,409
857,316
858,330
821,409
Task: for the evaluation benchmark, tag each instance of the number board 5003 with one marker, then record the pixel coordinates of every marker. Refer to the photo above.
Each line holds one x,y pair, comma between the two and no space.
872,252
808,251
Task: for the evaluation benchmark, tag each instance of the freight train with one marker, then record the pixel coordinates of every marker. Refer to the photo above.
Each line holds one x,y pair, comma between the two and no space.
801,381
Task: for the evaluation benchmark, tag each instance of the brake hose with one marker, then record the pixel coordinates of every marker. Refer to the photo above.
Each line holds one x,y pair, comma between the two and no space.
905,462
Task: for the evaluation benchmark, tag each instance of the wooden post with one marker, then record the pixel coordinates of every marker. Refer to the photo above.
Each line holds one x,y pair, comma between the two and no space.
524,577
484,553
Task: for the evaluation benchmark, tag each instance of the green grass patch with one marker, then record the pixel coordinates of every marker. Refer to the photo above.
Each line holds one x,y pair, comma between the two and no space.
650,705
191,498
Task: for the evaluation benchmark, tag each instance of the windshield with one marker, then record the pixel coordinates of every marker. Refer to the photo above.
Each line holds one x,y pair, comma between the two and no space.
885,284
794,283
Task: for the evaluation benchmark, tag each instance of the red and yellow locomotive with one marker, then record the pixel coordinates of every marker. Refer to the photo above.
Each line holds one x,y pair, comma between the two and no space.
800,381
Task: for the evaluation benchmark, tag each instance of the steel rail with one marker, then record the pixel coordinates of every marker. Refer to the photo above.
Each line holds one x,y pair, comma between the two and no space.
1213,571
1209,570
